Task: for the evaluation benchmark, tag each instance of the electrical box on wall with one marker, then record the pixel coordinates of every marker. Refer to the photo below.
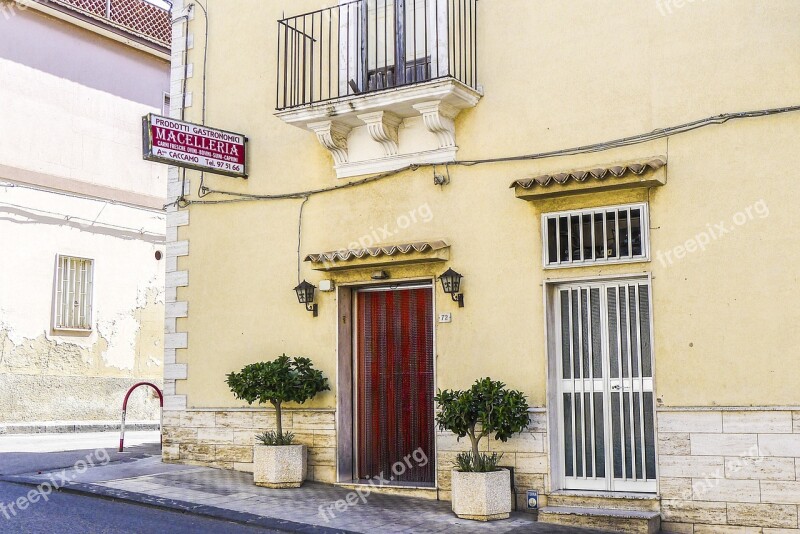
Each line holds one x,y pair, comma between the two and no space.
533,499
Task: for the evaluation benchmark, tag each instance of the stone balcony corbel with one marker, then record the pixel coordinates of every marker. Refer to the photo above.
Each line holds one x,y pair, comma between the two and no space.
413,124
438,117
333,136
382,127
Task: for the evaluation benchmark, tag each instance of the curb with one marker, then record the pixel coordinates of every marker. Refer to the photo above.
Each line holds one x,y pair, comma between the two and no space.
70,428
141,499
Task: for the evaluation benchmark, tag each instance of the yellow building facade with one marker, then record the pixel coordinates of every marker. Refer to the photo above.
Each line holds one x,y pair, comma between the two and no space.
605,176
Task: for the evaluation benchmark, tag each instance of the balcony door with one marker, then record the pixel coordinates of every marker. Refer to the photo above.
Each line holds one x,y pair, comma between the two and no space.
395,40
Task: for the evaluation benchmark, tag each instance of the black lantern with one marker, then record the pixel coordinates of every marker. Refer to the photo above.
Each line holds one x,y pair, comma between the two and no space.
451,283
305,295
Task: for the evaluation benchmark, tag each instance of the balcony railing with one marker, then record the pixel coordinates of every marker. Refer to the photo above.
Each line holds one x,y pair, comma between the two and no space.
365,46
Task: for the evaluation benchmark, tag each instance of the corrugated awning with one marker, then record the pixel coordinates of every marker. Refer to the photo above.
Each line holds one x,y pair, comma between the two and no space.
598,173
396,254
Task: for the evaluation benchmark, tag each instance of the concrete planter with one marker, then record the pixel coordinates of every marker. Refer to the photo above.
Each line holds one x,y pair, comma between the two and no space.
481,496
282,466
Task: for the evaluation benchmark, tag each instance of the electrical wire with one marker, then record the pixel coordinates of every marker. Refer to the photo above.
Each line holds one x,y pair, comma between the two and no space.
205,59
244,197
205,69
87,222
299,236
79,196
584,149
637,139
181,201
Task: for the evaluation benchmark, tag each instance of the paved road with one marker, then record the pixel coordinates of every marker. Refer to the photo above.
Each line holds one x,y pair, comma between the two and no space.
66,513
71,513
63,460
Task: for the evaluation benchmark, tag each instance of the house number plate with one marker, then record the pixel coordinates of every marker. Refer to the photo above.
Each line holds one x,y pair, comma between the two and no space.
445,317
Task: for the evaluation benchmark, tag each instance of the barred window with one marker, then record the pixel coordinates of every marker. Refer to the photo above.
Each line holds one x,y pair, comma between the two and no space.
73,298
615,234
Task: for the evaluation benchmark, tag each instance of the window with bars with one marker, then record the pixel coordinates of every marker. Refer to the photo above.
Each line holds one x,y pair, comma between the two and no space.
600,235
73,299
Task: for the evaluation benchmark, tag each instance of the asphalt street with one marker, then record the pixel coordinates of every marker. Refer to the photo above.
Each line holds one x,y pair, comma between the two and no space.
62,512
69,513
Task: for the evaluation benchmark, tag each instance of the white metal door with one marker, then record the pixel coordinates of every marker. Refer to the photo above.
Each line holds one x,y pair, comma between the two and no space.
605,378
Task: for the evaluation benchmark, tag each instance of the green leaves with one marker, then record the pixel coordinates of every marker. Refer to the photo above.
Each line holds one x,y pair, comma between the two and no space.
284,379
487,403
272,438
483,463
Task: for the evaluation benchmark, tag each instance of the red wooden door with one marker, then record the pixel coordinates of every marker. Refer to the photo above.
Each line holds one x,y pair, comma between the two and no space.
394,342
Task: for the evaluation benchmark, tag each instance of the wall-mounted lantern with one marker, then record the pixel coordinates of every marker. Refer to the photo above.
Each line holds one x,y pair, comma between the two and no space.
451,283
305,295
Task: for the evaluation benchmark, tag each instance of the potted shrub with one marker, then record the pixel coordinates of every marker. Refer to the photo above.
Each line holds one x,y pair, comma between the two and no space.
480,489
277,462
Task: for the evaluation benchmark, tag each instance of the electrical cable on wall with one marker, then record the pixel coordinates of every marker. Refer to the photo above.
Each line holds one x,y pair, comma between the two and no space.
584,149
181,201
299,234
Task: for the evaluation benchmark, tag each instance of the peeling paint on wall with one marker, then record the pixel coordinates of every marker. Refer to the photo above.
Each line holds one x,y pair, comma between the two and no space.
55,375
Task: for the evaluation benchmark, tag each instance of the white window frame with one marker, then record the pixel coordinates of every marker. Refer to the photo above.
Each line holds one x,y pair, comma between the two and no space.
645,236
59,324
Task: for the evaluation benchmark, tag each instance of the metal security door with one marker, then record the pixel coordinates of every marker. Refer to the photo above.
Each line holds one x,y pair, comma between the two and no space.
606,409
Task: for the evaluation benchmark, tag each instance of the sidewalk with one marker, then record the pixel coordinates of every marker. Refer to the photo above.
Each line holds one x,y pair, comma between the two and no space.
232,495
66,427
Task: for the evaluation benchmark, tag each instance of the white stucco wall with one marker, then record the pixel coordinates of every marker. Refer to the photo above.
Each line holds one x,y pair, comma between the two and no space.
55,126
59,129
35,226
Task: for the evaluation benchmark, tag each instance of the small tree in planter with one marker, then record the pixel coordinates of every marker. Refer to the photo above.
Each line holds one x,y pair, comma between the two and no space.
479,489
277,463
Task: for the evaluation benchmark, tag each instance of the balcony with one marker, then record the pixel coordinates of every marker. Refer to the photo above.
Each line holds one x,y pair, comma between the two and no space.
380,82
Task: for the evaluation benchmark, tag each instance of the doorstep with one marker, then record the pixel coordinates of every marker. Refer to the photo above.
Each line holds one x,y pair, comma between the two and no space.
632,521
619,511
430,491
644,502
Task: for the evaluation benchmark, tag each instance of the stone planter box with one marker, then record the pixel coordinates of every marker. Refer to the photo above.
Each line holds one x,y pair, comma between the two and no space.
282,466
481,496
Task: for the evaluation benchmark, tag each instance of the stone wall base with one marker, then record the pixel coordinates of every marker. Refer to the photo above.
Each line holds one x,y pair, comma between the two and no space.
729,470
225,439
720,470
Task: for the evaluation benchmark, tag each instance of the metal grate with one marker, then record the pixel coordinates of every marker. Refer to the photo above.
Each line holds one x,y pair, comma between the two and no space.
607,418
73,302
601,235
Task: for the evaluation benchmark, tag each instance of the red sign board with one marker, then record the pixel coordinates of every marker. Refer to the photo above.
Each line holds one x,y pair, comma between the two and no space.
194,146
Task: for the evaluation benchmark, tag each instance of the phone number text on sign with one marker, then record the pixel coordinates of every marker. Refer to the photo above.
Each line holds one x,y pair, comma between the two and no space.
194,146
